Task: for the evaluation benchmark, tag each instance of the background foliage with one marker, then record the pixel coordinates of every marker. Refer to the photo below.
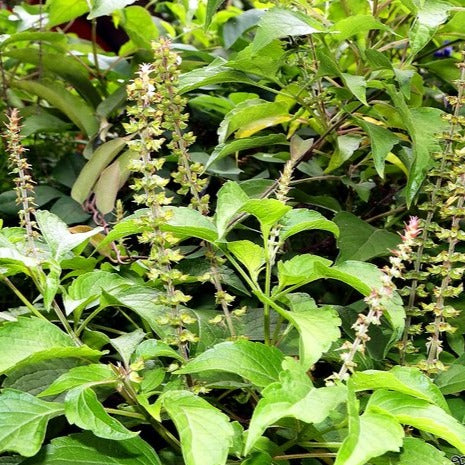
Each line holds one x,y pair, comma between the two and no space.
206,241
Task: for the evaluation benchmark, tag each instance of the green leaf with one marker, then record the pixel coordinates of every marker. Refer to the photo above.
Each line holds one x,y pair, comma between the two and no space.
99,160
382,142
57,236
279,22
267,211
35,378
318,327
87,449
292,396
361,241
452,380
376,434
187,222
215,73
408,380
153,348
415,450
254,361
31,336
356,24
430,16
23,421
62,11
422,124
301,219
69,69
78,376
251,116
139,25
228,148
300,270
230,199
251,255
126,344
205,433
83,409
357,85
107,7
69,104
212,6
420,414
346,146
140,299
112,178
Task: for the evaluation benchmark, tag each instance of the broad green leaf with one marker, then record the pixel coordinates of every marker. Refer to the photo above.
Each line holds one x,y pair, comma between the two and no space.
62,65
78,376
279,22
87,449
376,434
361,241
254,361
37,377
292,396
301,219
267,211
357,24
62,11
83,409
27,36
205,433
215,73
187,222
126,344
251,255
382,142
318,327
27,336
106,7
314,407
415,450
235,27
154,348
138,24
212,6
346,146
85,290
452,380
23,421
422,124
89,175
420,414
430,16
230,199
251,116
140,299
408,380
69,104
228,148
300,270
357,85
57,235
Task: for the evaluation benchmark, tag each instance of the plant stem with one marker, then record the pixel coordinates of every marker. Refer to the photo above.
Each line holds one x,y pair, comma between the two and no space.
23,298
305,456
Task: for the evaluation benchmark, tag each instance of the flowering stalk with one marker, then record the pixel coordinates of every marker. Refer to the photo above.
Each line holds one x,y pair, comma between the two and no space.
147,124
447,189
189,174
23,180
375,300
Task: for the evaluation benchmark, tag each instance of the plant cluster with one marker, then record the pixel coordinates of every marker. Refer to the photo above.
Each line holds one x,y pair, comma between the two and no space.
247,247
